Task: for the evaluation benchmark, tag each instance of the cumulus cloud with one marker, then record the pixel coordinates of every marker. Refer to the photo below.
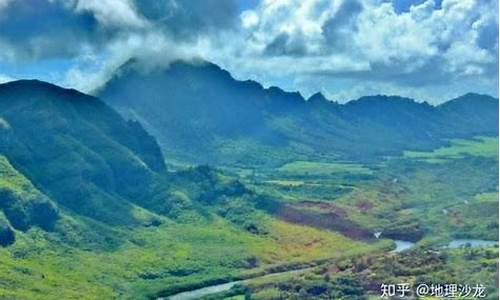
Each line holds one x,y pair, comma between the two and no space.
344,48
111,13
422,46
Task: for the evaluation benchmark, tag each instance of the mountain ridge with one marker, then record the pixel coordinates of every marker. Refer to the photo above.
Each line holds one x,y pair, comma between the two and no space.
201,114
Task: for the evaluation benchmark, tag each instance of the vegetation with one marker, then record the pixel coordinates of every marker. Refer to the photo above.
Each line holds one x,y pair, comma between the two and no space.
88,209
362,277
481,146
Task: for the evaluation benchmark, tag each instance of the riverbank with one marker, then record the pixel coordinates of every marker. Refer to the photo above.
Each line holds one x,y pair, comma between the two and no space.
221,287
378,247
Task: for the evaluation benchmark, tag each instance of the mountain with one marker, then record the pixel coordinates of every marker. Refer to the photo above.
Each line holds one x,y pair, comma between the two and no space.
89,210
76,150
67,155
201,114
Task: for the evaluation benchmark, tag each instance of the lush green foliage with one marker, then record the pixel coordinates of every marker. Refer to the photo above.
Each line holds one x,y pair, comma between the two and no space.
89,211
482,146
361,277
21,204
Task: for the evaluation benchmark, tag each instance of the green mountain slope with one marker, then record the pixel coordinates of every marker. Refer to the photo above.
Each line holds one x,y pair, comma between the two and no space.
89,211
76,149
22,205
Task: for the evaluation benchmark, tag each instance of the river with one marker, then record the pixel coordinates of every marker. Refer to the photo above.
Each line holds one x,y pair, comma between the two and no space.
400,247
195,294
472,243
218,288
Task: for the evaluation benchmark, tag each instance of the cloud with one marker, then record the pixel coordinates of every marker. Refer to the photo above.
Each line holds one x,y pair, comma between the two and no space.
188,19
416,45
4,3
342,47
151,50
95,37
5,78
112,13
42,29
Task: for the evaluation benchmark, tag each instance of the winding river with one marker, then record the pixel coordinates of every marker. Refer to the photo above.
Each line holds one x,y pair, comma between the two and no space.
400,247
218,288
195,294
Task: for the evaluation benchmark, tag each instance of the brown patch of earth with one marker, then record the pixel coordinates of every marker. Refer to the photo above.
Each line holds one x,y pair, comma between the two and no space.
333,218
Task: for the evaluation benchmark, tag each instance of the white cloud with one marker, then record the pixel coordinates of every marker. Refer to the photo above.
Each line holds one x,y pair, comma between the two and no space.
249,19
153,50
5,78
342,47
114,13
367,41
4,3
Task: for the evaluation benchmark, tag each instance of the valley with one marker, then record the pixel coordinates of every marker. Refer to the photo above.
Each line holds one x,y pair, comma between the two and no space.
249,149
94,208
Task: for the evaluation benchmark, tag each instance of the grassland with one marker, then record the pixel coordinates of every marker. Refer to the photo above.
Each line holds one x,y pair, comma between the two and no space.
407,197
167,258
459,148
455,198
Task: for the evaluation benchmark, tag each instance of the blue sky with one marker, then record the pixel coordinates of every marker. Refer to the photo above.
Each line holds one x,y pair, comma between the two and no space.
430,50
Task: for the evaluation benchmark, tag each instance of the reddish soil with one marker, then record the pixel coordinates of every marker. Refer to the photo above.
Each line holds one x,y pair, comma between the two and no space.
324,206
333,218
364,205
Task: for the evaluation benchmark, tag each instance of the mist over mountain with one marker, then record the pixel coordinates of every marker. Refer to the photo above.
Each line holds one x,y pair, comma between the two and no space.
201,114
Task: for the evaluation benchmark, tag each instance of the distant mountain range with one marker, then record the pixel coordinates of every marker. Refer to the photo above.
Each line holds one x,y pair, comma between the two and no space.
62,149
200,114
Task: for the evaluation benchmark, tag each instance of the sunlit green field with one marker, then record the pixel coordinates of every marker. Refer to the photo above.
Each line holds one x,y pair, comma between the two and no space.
166,258
456,198
429,197
411,197
481,146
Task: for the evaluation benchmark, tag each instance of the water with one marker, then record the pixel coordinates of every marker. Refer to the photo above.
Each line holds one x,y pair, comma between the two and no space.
195,294
402,246
198,293
473,243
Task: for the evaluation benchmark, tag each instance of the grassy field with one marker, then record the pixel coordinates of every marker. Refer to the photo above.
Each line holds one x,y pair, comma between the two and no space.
456,198
481,146
169,257
410,197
